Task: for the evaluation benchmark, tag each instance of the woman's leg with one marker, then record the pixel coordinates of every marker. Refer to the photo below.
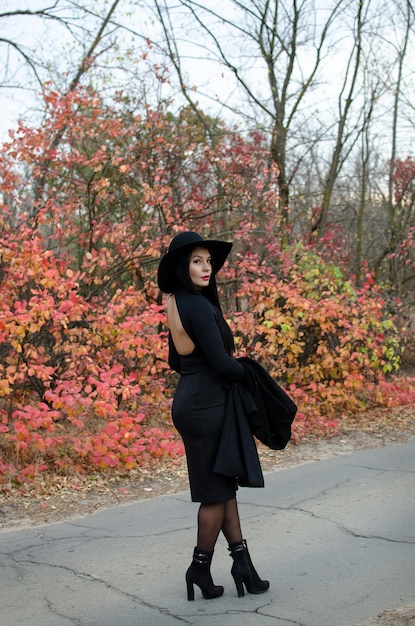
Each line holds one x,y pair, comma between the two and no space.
243,570
209,523
231,525
213,518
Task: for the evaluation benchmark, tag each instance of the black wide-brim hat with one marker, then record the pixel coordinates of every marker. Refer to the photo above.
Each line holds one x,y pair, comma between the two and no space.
182,244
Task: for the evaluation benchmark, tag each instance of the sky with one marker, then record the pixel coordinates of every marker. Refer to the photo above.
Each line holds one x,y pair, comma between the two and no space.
49,38
29,31
35,32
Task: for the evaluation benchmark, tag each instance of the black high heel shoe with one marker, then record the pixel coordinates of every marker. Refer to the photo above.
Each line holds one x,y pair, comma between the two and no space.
244,572
199,574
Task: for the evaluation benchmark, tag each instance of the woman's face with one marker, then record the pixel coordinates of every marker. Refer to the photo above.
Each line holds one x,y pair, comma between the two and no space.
200,267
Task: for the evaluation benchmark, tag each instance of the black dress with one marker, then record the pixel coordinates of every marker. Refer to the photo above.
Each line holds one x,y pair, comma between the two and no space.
199,403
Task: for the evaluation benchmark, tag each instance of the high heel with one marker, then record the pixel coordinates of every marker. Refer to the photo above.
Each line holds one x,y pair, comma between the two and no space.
199,574
190,590
244,572
239,585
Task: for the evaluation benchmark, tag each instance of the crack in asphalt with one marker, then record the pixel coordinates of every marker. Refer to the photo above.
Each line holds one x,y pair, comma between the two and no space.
53,611
350,532
259,611
384,469
94,579
19,564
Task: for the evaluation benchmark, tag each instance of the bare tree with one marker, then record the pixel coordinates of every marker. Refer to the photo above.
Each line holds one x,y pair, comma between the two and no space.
399,216
361,208
95,48
278,31
33,58
276,51
10,44
342,147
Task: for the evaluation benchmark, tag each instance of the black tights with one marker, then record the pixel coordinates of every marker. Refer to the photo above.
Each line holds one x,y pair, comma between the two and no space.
216,517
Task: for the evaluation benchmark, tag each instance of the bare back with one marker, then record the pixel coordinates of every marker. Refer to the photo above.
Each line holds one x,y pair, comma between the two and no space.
182,342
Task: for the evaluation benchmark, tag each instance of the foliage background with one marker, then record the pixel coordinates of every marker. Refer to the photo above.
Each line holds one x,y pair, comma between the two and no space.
90,199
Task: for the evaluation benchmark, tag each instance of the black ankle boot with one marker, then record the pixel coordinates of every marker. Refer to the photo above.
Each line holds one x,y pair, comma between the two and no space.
199,574
243,570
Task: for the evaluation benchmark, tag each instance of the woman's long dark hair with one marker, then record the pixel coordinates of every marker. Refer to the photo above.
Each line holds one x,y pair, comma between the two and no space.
210,292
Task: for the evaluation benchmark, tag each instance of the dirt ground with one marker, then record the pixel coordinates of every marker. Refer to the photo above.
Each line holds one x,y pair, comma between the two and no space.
405,616
70,497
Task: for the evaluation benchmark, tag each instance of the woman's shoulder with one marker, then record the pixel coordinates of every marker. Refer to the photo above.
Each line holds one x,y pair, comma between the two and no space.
188,296
192,303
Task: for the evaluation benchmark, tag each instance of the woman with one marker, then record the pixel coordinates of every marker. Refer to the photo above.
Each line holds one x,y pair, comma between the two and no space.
200,349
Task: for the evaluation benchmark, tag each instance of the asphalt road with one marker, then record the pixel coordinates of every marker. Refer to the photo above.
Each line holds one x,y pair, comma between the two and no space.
336,539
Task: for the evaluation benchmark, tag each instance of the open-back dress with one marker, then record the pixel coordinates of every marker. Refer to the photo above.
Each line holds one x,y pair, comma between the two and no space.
199,403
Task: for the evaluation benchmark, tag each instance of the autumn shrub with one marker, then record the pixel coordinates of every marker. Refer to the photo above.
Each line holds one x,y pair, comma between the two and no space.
330,344
81,382
84,382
